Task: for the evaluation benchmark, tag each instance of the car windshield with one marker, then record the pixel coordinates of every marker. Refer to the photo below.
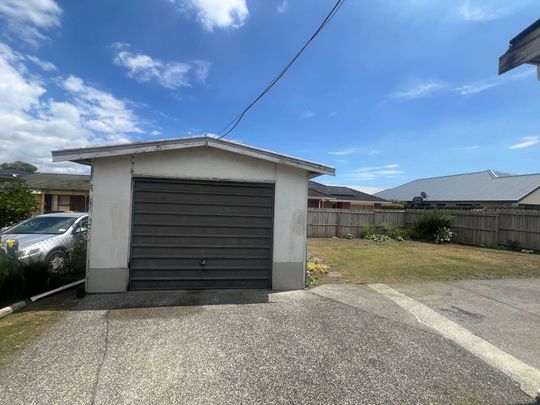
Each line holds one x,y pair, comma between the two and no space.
43,225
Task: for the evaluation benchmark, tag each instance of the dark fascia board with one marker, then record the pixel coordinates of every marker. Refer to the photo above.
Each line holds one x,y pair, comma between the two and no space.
524,48
85,155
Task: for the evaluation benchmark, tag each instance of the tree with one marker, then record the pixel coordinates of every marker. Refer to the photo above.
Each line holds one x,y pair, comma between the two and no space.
16,203
20,166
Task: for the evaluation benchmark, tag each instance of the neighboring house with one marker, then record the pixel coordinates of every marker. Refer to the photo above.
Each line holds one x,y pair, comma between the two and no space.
195,213
524,49
60,192
55,192
470,190
323,196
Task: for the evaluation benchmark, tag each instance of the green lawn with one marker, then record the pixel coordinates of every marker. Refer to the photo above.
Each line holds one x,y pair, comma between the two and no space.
364,261
19,329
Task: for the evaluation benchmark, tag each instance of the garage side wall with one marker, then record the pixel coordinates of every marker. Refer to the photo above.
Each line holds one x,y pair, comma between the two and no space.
109,226
111,210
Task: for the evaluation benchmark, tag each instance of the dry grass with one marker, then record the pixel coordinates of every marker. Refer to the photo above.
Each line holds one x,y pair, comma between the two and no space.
19,329
363,261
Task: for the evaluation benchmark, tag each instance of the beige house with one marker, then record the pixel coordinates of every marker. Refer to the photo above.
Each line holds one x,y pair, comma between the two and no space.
195,213
60,192
55,192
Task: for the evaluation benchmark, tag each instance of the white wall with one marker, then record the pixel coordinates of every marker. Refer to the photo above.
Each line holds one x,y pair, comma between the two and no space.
111,208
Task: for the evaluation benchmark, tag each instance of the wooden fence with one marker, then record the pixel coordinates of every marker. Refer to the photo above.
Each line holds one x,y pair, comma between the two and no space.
496,227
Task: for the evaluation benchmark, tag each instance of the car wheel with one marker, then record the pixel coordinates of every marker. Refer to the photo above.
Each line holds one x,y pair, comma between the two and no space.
56,260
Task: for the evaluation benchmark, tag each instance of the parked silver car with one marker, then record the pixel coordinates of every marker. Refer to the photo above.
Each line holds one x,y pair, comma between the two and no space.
46,238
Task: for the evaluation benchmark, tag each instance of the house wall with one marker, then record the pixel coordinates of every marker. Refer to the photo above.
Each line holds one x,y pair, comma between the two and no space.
111,208
532,199
53,196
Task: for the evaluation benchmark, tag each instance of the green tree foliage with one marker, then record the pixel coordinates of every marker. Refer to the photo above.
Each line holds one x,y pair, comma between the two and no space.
427,225
16,203
18,165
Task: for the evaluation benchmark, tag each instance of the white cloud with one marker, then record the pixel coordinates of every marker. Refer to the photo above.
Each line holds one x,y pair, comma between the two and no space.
469,11
343,152
350,151
216,13
469,147
27,19
283,7
418,89
155,133
32,125
430,87
171,75
202,68
308,114
526,142
482,10
43,64
101,111
376,172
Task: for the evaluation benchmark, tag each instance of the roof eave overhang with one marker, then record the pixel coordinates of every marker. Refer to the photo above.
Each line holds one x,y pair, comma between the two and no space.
86,155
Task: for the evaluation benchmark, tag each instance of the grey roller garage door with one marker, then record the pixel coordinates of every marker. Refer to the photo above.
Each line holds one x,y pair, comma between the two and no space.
201,234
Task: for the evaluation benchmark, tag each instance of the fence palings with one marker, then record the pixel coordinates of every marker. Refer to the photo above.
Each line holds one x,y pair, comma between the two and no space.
472,227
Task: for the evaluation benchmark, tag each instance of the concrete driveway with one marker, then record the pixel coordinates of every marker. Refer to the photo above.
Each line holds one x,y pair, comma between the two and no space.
245,347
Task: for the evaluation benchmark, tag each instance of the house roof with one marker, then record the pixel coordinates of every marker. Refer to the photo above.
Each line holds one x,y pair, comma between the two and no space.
318,190
57,181
524,48
85,155
50,181
488,185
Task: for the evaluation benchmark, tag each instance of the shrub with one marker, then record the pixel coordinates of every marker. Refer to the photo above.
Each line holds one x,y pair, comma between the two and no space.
314,270
384,232
22,280
444,235
427,225
317,267
378,237
367,230
349,236
11,279
16,203
513,245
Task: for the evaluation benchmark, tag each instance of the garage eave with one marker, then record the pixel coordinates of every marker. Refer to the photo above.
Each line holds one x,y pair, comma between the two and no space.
85,155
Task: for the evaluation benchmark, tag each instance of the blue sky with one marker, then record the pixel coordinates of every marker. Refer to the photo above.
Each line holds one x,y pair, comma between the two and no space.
391,91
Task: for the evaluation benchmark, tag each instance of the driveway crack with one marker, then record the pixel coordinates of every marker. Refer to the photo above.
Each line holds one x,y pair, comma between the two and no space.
103,358
494,299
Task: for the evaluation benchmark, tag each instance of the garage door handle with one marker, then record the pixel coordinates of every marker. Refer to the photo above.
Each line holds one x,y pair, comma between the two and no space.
203,262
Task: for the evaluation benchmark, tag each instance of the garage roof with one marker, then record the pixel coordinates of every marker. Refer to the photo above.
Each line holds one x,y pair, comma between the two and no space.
85,155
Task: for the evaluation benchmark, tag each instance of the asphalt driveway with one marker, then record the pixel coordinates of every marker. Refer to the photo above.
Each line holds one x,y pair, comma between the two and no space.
233,347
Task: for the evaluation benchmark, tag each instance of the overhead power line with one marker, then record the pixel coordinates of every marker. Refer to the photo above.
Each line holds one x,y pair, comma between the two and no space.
234,123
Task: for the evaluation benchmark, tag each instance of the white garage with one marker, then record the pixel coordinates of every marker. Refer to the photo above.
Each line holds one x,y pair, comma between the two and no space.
195,213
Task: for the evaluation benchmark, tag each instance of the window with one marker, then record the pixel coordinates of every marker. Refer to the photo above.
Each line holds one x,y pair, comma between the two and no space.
64,203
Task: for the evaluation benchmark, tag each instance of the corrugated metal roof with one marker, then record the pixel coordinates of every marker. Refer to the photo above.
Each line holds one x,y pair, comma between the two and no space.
488,185
319,190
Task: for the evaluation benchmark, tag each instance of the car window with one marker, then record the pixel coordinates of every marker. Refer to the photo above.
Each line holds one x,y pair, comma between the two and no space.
44,225
83,225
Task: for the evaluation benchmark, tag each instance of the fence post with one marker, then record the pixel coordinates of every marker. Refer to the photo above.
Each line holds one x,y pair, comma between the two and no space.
338,223
497,226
